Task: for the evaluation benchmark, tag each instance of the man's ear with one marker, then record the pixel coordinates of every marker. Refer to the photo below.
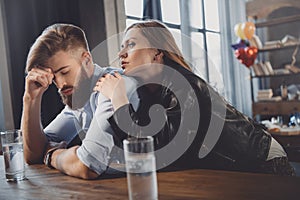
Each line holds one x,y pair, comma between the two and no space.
87,58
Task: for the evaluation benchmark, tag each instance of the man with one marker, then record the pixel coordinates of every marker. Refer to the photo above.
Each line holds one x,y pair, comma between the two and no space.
61,55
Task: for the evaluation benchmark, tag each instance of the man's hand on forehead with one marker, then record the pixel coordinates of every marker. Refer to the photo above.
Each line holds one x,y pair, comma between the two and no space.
42,76
47,69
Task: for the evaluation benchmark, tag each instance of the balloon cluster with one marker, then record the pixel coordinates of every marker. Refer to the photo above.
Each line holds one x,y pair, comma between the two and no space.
245,53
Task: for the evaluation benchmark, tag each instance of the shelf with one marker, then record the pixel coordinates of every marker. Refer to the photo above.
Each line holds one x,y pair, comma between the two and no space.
273,26
258,9
275,108
278,21
278,48
286,131
276,75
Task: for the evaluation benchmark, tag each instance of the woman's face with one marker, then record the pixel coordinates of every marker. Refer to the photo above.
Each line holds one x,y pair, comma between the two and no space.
136,51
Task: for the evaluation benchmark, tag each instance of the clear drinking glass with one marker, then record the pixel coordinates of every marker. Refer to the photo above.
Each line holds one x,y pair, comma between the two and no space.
12,147
141,168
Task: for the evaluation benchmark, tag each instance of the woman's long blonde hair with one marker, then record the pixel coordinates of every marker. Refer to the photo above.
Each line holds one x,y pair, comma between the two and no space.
162,39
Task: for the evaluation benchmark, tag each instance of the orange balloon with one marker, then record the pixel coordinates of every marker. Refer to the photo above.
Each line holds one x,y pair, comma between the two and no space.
248,29
239,31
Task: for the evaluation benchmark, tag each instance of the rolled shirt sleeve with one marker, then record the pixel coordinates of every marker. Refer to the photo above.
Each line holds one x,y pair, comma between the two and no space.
65,122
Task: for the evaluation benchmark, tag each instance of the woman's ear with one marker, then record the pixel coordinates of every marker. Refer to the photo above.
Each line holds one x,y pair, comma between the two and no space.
159,56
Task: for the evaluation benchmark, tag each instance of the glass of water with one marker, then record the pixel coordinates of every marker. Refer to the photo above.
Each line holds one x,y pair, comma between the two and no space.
12,147
141,168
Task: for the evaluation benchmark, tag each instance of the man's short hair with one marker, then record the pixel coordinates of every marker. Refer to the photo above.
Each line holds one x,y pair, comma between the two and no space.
55,38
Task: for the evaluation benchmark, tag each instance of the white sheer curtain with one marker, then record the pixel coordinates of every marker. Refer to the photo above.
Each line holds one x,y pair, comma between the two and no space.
236,75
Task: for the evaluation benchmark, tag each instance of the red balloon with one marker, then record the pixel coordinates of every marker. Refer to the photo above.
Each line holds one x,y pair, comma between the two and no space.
246,55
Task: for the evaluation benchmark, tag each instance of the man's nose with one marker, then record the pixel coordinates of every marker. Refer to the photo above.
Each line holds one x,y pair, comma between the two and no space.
59,83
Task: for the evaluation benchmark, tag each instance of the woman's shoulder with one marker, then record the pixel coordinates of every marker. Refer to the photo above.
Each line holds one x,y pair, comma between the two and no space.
192,78
187,73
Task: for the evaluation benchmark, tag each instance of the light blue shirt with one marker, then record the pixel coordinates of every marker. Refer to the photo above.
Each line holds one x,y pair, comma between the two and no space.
91,124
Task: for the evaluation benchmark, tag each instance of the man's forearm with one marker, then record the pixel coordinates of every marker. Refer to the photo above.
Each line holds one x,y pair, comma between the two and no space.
66,161
34,139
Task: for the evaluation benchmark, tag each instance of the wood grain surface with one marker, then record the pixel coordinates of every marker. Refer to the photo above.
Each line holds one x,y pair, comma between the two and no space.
44,183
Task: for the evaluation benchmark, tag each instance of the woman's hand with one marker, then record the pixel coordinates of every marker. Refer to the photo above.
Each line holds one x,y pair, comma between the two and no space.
113,87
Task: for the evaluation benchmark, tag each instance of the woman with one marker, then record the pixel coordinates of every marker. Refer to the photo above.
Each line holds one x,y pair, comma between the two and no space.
190,110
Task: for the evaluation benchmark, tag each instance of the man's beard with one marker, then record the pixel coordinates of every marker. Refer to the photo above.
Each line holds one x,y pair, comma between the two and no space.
81,92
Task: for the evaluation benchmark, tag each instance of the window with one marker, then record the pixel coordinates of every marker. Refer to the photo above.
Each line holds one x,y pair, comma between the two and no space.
211,14
203,32
170,11
134,8
196,18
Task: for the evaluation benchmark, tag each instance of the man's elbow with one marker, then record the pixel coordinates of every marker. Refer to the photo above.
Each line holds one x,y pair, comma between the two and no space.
32,160
85,172
29,162
88,174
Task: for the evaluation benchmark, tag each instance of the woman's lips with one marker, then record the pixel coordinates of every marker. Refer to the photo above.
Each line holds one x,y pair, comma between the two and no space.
123,64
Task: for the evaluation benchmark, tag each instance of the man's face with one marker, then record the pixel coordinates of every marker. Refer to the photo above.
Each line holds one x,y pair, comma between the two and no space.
71,78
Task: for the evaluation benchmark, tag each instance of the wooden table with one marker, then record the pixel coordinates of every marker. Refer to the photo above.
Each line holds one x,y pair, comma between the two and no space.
44,183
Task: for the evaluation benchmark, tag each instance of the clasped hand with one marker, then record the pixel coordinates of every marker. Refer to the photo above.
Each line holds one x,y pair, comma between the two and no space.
112,86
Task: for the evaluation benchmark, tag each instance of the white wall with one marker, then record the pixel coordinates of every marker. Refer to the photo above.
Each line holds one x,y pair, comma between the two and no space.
115,23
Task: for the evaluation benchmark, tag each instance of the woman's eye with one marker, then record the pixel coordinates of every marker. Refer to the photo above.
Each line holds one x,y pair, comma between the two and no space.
131,44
